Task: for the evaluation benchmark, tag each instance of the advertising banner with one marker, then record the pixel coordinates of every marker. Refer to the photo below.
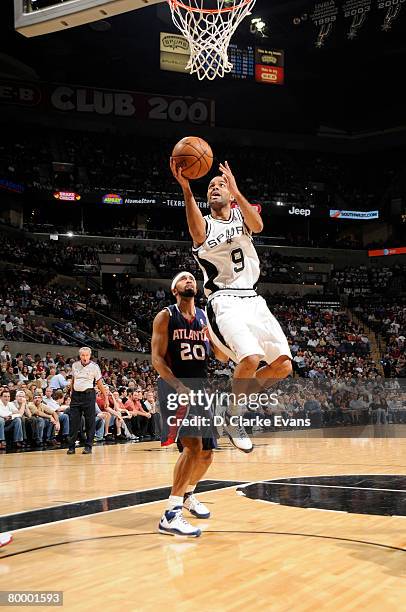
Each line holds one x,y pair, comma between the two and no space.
269,66
354,214
108,102
384,252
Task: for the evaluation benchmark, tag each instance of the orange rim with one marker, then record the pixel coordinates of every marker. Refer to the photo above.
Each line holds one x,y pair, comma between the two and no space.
193,9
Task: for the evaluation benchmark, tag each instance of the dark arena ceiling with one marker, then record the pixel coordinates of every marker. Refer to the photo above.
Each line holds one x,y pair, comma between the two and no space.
347,84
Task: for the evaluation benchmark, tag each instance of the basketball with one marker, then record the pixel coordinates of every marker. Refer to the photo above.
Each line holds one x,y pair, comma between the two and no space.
194,156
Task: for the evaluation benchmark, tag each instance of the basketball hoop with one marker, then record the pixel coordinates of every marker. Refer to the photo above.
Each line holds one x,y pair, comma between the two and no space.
209,31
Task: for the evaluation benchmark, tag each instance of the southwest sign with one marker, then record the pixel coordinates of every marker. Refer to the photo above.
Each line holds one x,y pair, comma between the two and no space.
354,214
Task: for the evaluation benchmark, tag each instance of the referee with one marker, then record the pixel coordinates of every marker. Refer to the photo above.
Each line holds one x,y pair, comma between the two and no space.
85,374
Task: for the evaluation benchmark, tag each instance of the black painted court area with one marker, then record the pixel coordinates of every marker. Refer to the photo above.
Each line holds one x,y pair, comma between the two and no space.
42,516
382,494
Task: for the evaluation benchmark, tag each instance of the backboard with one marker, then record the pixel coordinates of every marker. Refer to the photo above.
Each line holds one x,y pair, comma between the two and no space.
36,17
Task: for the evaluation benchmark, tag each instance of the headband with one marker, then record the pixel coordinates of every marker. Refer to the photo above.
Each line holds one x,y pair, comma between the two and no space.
178,277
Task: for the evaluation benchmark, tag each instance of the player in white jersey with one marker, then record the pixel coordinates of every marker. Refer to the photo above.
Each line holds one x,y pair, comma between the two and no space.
240,323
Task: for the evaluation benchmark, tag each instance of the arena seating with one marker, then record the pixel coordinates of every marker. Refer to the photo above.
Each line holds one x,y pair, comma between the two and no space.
95,162
104,161
330,394
361,280
388,321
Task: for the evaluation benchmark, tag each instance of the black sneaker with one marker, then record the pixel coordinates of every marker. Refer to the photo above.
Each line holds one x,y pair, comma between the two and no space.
87,450
71,451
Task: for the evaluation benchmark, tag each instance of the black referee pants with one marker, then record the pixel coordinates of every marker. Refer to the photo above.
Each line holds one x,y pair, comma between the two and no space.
83,403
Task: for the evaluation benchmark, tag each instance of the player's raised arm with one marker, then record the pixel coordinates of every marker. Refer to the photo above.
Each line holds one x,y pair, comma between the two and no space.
159,347
195,219
252,218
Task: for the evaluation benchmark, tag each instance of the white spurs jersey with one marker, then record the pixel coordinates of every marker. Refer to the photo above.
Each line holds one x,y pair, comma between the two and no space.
227,257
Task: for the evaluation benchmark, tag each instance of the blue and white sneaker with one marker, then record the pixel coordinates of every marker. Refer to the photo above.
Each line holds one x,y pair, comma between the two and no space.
196,507
174,523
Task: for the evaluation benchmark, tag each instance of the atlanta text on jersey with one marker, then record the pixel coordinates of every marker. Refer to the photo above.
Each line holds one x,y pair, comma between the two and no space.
189,334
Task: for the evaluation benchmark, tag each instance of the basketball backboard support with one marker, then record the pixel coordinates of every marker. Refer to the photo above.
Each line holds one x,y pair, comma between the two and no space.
63,15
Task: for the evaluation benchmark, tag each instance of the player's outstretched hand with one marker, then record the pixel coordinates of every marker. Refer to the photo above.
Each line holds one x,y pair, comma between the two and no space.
177,173
229,177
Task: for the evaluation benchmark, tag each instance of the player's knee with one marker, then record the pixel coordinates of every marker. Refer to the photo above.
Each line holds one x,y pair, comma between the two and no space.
284,368
251,362
206,456
192,446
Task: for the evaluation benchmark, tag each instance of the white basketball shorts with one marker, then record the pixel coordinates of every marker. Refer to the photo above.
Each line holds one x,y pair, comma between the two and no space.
243,326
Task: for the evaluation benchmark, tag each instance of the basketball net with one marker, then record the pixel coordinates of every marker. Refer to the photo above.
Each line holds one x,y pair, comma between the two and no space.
209,31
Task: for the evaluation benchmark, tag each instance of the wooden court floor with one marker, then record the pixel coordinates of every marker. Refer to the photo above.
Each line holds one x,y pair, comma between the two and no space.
252,554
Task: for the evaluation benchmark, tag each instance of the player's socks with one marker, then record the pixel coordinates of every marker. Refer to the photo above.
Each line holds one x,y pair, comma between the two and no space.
174,501
174,523
237,434
195,507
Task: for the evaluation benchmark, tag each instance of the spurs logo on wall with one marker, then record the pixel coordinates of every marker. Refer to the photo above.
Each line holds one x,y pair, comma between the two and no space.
324,16
356,11
392,9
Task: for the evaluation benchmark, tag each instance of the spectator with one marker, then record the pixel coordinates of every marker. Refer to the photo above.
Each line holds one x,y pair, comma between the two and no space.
150,405
61,419
58,381
10,421
50,423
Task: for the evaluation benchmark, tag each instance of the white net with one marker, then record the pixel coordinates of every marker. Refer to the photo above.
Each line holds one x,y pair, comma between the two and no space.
209,31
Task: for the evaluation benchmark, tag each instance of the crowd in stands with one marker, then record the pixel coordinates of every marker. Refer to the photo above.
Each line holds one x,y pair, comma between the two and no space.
338,402
44,255
325,342
163,260
35,396
35,400
104,161
68,316
274,266
388,321
363,280
322,340
172,227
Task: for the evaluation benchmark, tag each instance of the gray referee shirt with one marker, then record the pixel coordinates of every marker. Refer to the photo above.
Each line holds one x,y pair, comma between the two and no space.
85,376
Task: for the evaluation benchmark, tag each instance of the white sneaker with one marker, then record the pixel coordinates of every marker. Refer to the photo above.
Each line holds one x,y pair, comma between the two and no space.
237,435
5,538
196,507
173,523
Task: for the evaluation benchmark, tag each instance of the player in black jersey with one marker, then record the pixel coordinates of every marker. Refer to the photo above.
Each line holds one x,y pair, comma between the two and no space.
180,351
